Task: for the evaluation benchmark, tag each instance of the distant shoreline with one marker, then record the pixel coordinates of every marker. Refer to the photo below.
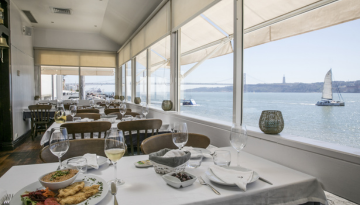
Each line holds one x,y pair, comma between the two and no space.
344,87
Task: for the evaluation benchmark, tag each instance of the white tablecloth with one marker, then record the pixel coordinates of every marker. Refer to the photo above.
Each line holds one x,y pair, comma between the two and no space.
46,137
144,186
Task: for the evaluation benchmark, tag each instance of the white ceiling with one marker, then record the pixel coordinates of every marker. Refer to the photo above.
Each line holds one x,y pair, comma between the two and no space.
114,19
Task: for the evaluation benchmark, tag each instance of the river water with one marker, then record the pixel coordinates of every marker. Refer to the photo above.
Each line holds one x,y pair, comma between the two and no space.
339,125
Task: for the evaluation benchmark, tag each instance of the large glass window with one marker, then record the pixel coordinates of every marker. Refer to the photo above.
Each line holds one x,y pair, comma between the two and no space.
159,72
128,81
141,76
99,83
207,67
287,72
59,82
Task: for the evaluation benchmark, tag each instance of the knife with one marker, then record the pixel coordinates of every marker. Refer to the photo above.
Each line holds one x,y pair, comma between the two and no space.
264,180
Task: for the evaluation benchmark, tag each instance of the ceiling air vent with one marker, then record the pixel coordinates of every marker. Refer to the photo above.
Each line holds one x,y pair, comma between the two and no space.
29,15
60,10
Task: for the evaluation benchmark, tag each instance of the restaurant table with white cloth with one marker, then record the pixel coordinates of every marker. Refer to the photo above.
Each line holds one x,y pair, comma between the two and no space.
46,137
27,113
144,186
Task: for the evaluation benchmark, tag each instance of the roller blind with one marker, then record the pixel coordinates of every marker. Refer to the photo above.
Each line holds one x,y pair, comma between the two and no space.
121,58
74,58
58,58
138,43
127,54
57,70
89,71
185,10
159,26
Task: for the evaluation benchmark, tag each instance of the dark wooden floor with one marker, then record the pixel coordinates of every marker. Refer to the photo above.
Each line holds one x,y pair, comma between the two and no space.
26,153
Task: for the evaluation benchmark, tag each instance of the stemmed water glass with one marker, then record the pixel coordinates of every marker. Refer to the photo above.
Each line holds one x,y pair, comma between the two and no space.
59,143
122,109
92,103
107,103
145,110
180,135
238,139
73,110
115,149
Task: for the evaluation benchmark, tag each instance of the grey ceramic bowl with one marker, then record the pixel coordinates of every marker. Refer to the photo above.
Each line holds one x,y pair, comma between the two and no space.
175,182
57,185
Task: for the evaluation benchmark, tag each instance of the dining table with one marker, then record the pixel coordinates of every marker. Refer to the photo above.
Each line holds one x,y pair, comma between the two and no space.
144,186
27,112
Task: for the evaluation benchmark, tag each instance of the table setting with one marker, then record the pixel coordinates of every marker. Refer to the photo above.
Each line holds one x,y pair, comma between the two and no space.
188,175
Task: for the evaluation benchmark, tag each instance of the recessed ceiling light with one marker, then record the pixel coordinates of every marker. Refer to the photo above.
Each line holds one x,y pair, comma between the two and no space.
95,25
52,22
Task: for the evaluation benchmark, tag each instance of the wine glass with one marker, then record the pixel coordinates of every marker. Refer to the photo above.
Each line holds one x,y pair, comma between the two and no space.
238,139
180,134
59,143
115,149
107,103
145,110
60,116
73,110
92,103
122,109
171,127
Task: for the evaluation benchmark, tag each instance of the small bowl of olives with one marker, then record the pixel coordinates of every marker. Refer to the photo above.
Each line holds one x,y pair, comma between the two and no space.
179,179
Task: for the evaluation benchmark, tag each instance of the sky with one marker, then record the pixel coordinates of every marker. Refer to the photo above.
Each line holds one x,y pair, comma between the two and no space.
303,58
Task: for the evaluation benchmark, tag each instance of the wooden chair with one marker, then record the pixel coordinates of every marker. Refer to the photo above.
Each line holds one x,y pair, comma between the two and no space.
87,127
112,110
150,124
77,148
40,118
94,116
88,111
67,106
158,142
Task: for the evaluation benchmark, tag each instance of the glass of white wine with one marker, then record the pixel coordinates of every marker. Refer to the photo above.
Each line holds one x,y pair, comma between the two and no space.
60,116
115,149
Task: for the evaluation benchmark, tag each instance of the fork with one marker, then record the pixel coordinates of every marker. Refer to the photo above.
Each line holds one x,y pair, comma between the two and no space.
202,182
8,198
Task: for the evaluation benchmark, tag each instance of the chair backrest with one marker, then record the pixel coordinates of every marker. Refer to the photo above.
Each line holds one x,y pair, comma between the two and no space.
88,111
87,127
138,125
77,148
112,110
158,142
67,106
40,113
94,116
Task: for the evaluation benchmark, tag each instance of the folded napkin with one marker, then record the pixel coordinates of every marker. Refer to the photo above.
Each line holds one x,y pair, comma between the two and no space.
86,120
174,153
91,160
240,178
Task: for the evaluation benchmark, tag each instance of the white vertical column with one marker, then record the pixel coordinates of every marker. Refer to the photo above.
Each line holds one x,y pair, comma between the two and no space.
37,80
175,41
120,81
148,76
238,62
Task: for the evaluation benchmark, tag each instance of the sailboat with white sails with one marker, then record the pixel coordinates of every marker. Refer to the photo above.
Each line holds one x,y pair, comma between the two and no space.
327,94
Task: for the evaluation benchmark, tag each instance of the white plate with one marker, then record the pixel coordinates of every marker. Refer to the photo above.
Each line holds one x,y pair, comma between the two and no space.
100,159
143,165
215,179
89,180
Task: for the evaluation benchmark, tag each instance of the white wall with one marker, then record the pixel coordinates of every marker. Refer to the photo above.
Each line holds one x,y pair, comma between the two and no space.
53,38
23,87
